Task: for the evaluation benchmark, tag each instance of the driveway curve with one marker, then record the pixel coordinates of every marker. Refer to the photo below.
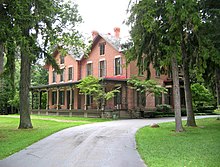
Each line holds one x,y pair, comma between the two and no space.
107,144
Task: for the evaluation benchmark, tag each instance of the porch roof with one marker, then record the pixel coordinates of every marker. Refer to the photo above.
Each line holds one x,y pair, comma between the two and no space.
54,85
73,83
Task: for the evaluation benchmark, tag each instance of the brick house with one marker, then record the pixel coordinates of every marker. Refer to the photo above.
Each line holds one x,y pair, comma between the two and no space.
104,61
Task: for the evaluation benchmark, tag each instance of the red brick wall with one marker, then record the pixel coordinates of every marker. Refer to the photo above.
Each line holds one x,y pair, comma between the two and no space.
109,57
69,61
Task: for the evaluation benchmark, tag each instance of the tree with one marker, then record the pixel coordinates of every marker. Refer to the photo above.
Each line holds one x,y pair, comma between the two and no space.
92,86
148,86
211,58
37,27
201,96
151,43
40,75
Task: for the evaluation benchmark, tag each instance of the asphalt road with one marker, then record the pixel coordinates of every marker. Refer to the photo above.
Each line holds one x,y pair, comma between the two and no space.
107,144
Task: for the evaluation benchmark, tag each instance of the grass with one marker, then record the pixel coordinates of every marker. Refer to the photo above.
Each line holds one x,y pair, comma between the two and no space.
13,139
198,146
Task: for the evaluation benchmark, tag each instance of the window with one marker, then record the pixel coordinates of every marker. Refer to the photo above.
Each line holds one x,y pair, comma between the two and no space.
141,98
70,73
54,76
54,98
102,48
118,66
62,75
102,68
61,59
89,100
117,97
169,97
61,98
89,69
158,99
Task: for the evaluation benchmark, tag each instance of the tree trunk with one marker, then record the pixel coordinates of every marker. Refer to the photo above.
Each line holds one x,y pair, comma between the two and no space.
25,120
188,94
176,95
1,57
217,83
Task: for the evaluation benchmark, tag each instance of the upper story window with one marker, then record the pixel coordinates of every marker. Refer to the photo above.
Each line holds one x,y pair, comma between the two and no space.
117,64
62,75
102,48
61,59
102,68
89,69
70,73
54,76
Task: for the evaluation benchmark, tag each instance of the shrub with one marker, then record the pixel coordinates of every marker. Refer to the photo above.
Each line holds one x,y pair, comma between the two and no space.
205,109
163,108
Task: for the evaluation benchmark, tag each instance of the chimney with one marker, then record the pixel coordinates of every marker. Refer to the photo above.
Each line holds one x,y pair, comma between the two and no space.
117,32
94,34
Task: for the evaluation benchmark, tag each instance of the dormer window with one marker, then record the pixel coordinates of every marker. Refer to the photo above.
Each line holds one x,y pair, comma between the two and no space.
61,59
102,48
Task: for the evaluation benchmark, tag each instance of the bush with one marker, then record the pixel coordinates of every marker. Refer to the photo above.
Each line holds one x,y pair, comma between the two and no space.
205,109
163,108
217,111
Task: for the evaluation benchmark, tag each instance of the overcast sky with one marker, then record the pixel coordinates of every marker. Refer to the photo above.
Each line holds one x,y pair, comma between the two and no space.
103,15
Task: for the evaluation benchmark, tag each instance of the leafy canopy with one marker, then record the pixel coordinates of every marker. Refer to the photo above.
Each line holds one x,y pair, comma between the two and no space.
148,86
92,86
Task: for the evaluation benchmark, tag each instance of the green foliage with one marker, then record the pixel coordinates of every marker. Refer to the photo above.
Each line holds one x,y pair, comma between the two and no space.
149,86
201,96
39,75
92,86
163,108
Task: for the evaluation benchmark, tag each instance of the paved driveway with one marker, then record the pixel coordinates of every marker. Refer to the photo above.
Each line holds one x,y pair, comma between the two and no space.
108,144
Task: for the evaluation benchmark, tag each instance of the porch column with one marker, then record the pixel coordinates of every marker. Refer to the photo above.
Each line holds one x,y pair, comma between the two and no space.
58,98
71,98
85,104
76,100
32,99
48,95
39,99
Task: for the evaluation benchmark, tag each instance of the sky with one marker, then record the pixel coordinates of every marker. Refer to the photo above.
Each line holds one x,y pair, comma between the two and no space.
103,16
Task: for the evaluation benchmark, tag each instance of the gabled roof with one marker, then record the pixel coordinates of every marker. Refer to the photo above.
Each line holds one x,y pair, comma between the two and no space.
112,40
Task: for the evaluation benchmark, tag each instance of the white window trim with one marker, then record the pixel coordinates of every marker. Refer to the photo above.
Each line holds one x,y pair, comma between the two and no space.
102,59
117,56
88,62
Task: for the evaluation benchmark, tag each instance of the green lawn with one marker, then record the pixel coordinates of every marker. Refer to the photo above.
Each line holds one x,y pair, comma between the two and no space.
13,139
199,147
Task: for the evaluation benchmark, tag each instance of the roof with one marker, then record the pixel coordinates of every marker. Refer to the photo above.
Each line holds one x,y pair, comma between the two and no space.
112,40
54,85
